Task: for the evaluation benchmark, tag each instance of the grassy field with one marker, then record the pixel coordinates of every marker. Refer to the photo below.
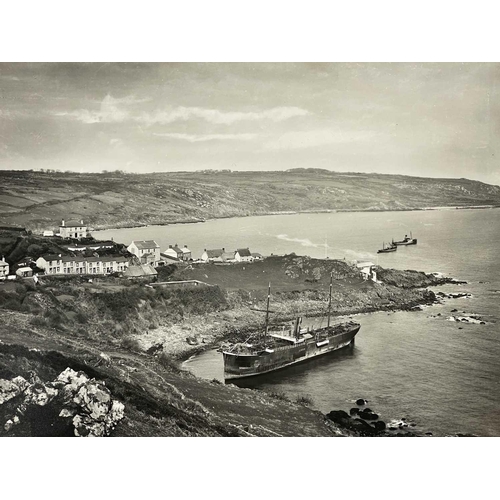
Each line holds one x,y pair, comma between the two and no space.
39,200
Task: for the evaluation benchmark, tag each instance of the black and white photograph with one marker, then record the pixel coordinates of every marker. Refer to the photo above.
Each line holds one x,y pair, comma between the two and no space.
176,231
203,249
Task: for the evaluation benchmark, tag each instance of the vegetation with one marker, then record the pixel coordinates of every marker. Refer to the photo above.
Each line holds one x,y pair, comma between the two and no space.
114,199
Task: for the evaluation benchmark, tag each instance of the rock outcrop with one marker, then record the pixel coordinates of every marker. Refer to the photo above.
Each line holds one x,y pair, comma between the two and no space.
72,395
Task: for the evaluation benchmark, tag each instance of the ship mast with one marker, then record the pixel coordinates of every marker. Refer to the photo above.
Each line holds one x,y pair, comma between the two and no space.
267,313
330,299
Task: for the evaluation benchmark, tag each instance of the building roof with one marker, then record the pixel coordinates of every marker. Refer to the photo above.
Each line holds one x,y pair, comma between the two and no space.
228,255
51,256
79,258
107,258
69,258
213,254
141,270
365,264
185,249
145,244
244,252
3,263
256,254
72,223
169,257
24,269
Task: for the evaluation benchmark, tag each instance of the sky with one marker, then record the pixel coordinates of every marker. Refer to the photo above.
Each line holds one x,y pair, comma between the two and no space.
421,119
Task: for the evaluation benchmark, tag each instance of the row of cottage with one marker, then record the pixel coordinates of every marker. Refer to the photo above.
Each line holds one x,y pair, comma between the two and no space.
147,257
149,253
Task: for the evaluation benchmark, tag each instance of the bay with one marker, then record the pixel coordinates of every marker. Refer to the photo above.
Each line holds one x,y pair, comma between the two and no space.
443,375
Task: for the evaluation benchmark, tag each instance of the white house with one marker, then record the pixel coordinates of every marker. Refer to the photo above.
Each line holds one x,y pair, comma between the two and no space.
243,255
186,253
4,269
228,257
73,229
58,264
48,233
147,251
212,255
367,271
24,272
174,251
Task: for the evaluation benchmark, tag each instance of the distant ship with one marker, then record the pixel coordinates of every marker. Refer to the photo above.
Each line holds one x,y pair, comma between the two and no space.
272,351
406,241
391,248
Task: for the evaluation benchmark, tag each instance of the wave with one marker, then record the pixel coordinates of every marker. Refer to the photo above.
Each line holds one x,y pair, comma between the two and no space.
305,242
352,254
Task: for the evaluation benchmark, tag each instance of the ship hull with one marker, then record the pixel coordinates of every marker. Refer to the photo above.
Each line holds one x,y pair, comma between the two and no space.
244,366
405,243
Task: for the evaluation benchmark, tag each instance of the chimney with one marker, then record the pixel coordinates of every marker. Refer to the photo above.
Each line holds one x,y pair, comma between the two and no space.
185,246
62,223
204,249
169,246
82,222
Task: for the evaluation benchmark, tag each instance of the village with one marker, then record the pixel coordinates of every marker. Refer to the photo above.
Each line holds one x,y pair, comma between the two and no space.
85,256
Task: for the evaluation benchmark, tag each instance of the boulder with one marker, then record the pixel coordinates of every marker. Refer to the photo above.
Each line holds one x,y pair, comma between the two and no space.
361,402
46,406
367,415
40,394
379,426
338,416
354,411
9,389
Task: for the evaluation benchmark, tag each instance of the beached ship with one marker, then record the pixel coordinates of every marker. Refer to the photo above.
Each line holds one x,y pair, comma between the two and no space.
390,248
273,350
407,240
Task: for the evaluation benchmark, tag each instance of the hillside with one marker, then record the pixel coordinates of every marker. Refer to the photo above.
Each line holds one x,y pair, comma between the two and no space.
102,357
38,200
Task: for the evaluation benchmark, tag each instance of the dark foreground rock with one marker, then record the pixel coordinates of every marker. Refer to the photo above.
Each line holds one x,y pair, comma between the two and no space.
71,404
365,422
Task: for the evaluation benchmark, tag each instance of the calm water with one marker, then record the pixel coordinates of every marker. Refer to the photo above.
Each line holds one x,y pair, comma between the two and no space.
410,365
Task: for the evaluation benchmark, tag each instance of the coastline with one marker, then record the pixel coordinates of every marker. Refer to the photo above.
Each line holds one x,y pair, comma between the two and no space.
290,212
189,352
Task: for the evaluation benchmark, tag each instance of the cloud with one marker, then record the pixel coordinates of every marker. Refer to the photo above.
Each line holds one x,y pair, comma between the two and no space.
215,116
113,110
208,137
314,138
109,112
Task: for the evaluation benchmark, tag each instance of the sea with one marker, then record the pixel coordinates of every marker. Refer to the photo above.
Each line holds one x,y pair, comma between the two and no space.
441,375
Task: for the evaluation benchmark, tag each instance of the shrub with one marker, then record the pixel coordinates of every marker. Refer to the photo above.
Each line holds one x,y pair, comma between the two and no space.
279,395
130,344
81,317
169,363
305,400
37,321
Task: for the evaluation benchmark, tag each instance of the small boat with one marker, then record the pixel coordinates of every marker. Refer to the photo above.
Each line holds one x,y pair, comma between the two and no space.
390,248
407,240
